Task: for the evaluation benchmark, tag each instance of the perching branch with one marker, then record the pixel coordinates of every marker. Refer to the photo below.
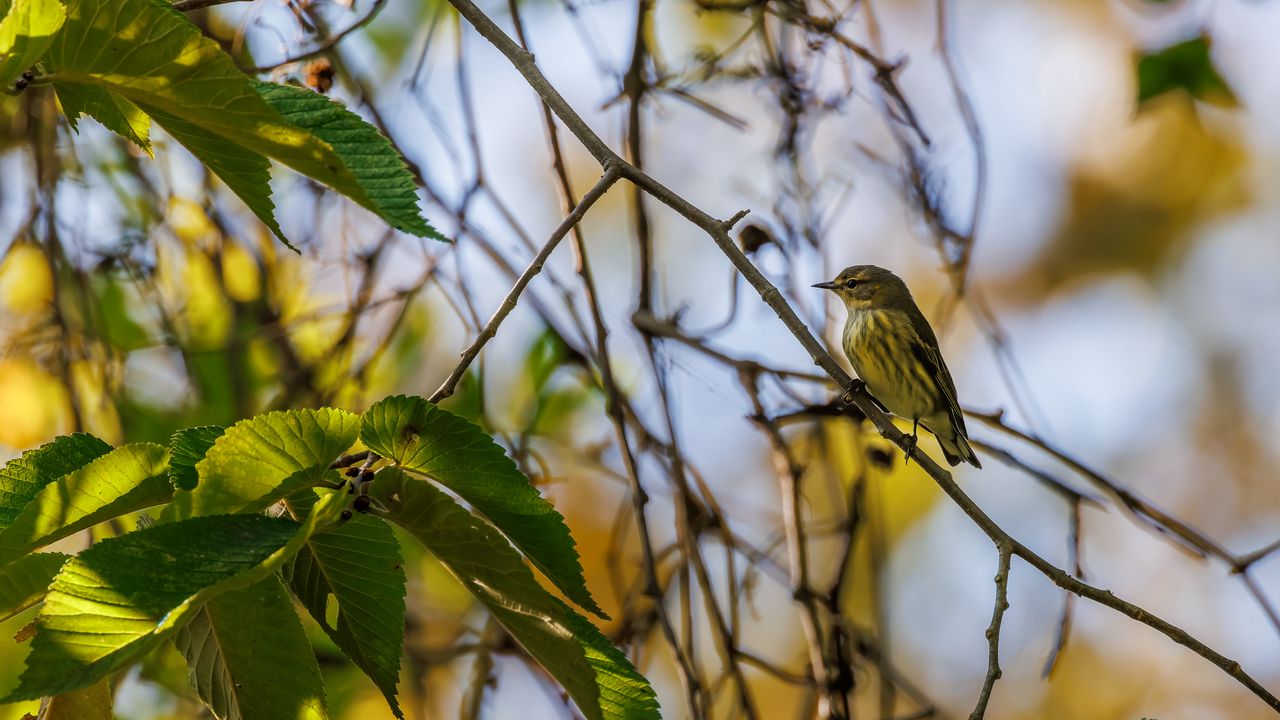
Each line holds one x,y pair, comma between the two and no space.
716,229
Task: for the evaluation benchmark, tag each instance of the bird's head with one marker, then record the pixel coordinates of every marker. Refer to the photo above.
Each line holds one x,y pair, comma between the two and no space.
867,287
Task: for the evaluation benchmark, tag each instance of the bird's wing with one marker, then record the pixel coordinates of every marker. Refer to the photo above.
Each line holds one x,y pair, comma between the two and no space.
928,354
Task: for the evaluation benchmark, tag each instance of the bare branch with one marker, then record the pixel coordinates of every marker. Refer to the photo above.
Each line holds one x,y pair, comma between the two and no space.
602,185
189,5
993,632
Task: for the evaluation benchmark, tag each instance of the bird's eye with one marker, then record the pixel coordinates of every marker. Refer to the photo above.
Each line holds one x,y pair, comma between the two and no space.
851,283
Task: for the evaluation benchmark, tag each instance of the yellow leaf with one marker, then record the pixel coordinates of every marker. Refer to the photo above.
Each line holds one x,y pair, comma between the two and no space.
91,703
240,273
898,497
34,404
207,314
97,409
188,220
26,283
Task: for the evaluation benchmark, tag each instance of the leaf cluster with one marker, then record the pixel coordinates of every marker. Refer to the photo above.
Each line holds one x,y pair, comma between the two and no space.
131,63
294,504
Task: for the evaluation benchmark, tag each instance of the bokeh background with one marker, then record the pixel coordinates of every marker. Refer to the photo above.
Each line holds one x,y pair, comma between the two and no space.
1122,303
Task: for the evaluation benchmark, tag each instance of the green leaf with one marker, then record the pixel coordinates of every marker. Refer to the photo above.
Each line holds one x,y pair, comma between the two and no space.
358,564
26,32
120,598
370,156
23,477
596,675
154,56
421,437
186,448
245,172
25,581
1186,66
151,55
114,112
547,353
126,479
248,656
260,460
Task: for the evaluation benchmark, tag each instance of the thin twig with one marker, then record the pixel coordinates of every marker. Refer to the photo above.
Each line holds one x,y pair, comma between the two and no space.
1069,600
617,409
189,5
611,175
1144,511
993,633
524,63
330,43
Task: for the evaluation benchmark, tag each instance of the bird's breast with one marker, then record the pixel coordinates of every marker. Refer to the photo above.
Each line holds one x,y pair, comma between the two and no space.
878,345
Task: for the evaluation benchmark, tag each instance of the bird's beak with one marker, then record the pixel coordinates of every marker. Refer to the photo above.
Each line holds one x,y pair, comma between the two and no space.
825,285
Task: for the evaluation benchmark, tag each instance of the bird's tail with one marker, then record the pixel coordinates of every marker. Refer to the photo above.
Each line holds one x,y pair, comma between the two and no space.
956,448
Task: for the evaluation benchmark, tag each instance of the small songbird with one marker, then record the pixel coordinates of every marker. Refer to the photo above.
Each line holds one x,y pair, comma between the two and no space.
895,353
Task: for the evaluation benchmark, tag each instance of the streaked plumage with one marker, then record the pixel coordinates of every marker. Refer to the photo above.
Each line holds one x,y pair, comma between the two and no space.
894,351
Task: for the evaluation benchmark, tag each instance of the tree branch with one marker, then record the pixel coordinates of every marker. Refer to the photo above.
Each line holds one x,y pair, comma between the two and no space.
189,5
993,633
524,64
611,175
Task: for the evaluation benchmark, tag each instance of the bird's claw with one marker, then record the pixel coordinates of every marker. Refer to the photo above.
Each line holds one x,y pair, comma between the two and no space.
911,443
855,387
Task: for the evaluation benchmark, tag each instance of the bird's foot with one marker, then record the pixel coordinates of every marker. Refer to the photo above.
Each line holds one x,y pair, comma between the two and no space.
855,387
911,443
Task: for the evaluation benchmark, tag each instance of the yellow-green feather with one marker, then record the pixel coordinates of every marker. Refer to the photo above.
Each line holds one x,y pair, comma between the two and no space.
895,353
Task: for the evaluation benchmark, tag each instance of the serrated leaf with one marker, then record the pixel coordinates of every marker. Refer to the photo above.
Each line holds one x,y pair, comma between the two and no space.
121,597
114,112
244,172
152,55
371,158
424,438
129,478
22,477
25,581
1185,66
598,677
236,647
357,563
260,460
27,30
186,448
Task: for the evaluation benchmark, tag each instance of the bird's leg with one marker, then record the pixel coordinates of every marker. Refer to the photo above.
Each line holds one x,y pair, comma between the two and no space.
855,387
915,437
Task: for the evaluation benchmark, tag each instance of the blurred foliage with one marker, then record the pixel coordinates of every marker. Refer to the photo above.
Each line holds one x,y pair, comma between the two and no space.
1135,204
192,316
1185,66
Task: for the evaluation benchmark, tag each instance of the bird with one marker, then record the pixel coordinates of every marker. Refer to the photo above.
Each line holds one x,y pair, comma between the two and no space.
894,352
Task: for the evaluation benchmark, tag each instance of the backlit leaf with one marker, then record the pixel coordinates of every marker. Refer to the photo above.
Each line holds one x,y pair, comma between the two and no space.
236,646
27,30
421,437
598,677
375,164
22,477
25,581
260,460
117,600
126,479
356,566
186,448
